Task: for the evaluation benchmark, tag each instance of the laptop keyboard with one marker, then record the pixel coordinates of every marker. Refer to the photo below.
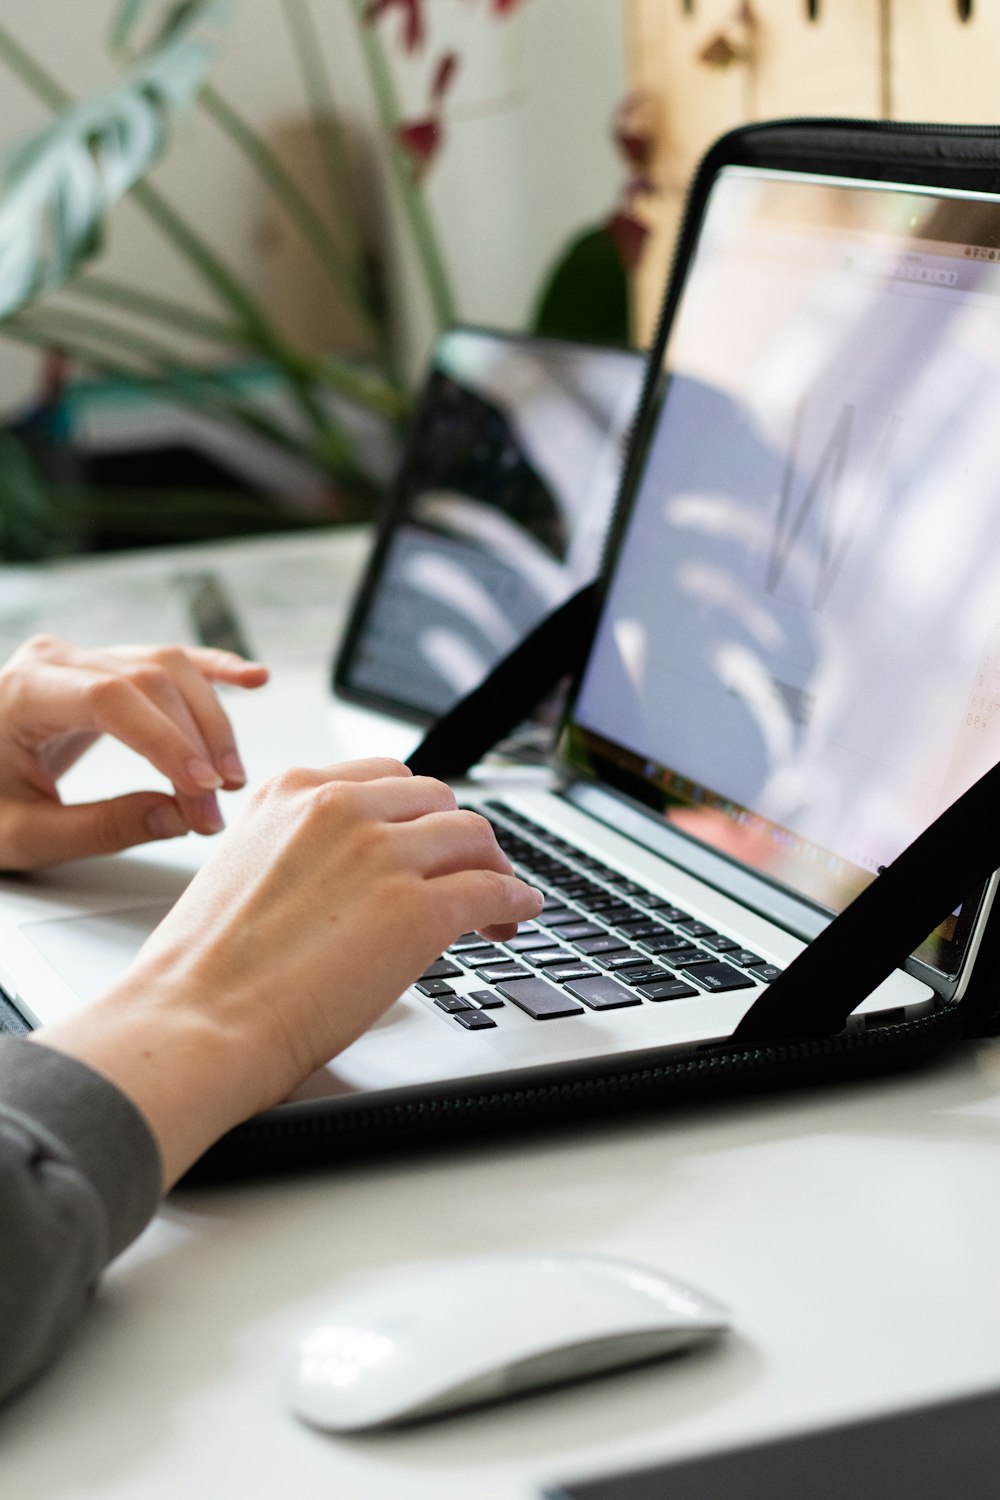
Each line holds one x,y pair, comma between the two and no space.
602,942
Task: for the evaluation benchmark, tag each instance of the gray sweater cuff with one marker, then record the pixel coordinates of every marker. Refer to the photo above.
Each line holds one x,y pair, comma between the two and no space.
90,1124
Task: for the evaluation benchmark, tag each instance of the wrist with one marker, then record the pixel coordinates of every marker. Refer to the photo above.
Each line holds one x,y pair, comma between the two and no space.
192,1073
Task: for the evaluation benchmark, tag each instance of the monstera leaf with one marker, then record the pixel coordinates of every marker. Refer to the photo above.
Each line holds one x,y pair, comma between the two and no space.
58,186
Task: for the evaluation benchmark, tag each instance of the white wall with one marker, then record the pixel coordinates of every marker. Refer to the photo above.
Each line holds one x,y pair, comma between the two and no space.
528,157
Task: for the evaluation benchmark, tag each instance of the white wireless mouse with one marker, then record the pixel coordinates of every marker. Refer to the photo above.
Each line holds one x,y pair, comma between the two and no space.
445,1334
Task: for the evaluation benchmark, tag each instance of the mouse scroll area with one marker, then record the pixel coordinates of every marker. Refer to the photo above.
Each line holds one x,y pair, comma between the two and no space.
440,1336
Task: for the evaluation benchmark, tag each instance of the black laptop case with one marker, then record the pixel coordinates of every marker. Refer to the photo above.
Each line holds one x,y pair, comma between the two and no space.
795,1035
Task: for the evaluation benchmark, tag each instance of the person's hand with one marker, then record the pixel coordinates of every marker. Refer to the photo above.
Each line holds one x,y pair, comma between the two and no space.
56,699
331,893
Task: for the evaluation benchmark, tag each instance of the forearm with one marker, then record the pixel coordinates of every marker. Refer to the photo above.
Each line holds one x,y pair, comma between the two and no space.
79,1179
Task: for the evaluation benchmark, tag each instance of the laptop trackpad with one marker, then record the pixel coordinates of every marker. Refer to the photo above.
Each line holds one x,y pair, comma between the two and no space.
91,953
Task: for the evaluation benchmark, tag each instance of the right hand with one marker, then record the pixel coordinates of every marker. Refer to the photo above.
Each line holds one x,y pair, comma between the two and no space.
326,899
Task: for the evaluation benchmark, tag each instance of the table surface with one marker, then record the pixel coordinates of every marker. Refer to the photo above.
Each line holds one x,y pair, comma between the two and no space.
854,1231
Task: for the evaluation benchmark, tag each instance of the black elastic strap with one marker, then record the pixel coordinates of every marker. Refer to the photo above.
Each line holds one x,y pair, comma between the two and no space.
882,927
515,687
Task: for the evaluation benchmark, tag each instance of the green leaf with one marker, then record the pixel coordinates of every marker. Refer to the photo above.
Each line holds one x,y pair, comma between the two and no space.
27,523
58,186
128,14
586,294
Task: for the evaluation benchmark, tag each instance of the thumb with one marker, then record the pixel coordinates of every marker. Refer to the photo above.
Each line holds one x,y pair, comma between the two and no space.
41,833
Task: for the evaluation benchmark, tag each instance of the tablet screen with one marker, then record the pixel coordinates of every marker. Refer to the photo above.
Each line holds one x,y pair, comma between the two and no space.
498,513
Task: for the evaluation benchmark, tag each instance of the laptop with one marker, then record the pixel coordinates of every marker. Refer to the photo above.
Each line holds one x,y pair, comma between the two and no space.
498,512
796,664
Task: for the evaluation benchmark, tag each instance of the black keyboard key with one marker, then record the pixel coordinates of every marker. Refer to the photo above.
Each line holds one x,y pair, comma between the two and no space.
581,930
766,973
604,901
602,993
720,977
526,942
562,973
485,999
441,969
606,943
696,929
480,957
627,960
434,987
539,998
644,976
466,941
720,944
495,972
474,1020
619,915
666,909
681,958
666,943
667,989
549,957
745,958
453,1004
643,928
557,916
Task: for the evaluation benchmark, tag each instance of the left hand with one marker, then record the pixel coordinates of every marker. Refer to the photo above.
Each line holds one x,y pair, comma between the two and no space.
56,700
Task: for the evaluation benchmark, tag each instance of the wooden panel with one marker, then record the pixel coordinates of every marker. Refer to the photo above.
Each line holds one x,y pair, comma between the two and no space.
818,59
710,70
696,102
942,68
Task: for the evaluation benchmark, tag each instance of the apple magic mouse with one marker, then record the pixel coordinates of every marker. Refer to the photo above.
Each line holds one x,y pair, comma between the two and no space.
444,1334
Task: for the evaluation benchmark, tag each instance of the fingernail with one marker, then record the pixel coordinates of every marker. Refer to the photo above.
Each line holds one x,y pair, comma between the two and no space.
539,894
233,767
165,822
209,814
202,774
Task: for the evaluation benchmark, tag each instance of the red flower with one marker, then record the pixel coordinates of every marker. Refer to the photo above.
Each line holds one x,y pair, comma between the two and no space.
633,131
629,235
420,140
443,76
414,30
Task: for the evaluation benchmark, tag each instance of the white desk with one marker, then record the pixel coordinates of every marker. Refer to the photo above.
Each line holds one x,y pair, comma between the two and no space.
855,1232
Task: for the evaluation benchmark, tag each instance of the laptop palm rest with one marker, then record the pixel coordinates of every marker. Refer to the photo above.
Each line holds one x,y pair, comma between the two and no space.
89,953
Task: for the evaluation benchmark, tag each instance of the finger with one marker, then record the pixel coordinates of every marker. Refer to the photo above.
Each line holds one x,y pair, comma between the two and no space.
202,814
373,769
400,799
170,677
33,834
66,698
226,666
441,843
206,715
162,731
485,901
210,661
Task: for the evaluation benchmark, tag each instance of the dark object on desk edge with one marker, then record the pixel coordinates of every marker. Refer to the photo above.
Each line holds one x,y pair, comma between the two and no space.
948,1451
213,614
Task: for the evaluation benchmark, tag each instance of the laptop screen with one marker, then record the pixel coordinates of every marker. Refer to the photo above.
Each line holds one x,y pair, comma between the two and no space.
500,509
798,662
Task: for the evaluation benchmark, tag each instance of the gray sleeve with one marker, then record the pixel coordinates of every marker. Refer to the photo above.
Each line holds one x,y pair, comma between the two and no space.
79,1179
